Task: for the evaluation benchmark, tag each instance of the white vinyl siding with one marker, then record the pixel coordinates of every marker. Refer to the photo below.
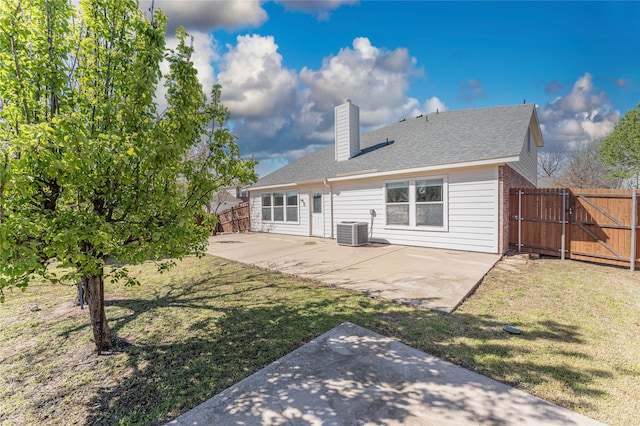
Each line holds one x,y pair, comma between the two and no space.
528,164
300,227
353,201
471,211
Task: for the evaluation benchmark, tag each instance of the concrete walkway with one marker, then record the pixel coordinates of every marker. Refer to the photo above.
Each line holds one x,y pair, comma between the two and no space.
353,376
430,278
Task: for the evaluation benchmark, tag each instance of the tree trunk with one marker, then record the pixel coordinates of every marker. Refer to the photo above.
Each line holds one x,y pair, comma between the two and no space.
93,288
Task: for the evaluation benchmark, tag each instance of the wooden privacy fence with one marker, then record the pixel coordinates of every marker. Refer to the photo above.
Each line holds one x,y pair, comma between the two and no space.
598,225
235,219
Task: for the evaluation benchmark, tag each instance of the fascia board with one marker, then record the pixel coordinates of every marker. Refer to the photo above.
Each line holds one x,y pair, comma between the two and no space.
262,188
490,162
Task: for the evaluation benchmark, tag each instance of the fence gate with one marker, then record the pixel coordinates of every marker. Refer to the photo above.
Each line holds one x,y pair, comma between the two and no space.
598,225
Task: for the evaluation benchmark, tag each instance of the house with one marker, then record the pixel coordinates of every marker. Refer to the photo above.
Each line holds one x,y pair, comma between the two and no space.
437,180
226,198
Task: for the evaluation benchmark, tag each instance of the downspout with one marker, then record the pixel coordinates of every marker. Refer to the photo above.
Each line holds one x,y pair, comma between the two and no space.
326,183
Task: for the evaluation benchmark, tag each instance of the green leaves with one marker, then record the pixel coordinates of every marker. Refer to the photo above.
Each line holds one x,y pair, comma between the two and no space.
88,169
621,151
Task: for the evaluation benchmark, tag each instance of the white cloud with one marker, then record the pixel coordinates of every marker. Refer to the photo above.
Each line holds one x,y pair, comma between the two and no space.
471,90
254,82
622,83
582,97
578,117
260,93
204,15
321,9
374,78
434,104
270,161
279,115
204,55
553,87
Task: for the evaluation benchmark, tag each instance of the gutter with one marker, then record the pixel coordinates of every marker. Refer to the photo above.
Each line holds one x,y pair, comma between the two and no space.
326,183
288,185
373,174
260,188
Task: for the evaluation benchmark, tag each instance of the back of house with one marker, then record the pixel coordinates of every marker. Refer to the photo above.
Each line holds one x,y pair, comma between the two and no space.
436,180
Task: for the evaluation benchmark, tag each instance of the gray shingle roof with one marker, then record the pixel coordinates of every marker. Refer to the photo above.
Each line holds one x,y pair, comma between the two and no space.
434,139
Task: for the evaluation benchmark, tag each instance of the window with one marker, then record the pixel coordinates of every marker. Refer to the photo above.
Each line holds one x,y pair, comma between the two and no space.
398,203
317,203
292,206
419,204
280,207
429,203
266,207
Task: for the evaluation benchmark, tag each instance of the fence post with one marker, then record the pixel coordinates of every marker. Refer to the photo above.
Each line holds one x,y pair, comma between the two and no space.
634,207
520,221
564,221
233,219
234,215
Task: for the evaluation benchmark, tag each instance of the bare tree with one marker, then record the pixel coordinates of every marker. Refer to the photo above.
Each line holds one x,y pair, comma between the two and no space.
585,169
550,163
217,200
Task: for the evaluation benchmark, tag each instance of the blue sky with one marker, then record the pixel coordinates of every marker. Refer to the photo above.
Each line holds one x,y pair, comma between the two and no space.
284,65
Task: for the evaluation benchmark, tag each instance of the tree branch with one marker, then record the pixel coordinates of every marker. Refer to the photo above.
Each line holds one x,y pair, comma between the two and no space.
16,62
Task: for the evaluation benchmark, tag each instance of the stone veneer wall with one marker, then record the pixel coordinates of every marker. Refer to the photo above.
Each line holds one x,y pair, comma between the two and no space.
507,178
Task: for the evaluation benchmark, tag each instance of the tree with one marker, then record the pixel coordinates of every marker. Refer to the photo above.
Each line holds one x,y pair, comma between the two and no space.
621,151
583,168
89,170
550,163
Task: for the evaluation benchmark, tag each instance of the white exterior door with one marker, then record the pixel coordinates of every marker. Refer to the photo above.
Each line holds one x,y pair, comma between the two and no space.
317,218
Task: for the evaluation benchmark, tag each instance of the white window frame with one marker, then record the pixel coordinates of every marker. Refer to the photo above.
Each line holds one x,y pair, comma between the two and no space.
288,206
268,209
280,208
427,203
413,204
406,204
285,206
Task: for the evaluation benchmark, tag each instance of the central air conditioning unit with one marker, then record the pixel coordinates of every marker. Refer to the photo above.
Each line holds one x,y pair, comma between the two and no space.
353,233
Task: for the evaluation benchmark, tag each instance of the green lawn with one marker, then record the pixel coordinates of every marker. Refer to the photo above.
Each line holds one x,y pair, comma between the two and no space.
190,333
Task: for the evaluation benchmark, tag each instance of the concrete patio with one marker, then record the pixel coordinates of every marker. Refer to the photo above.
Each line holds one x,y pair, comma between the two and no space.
353,376
429,278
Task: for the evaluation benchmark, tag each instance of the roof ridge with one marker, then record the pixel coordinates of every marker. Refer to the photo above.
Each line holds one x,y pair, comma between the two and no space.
437,138
449,111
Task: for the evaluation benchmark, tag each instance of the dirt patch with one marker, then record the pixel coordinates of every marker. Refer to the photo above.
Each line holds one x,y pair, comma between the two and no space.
66,309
